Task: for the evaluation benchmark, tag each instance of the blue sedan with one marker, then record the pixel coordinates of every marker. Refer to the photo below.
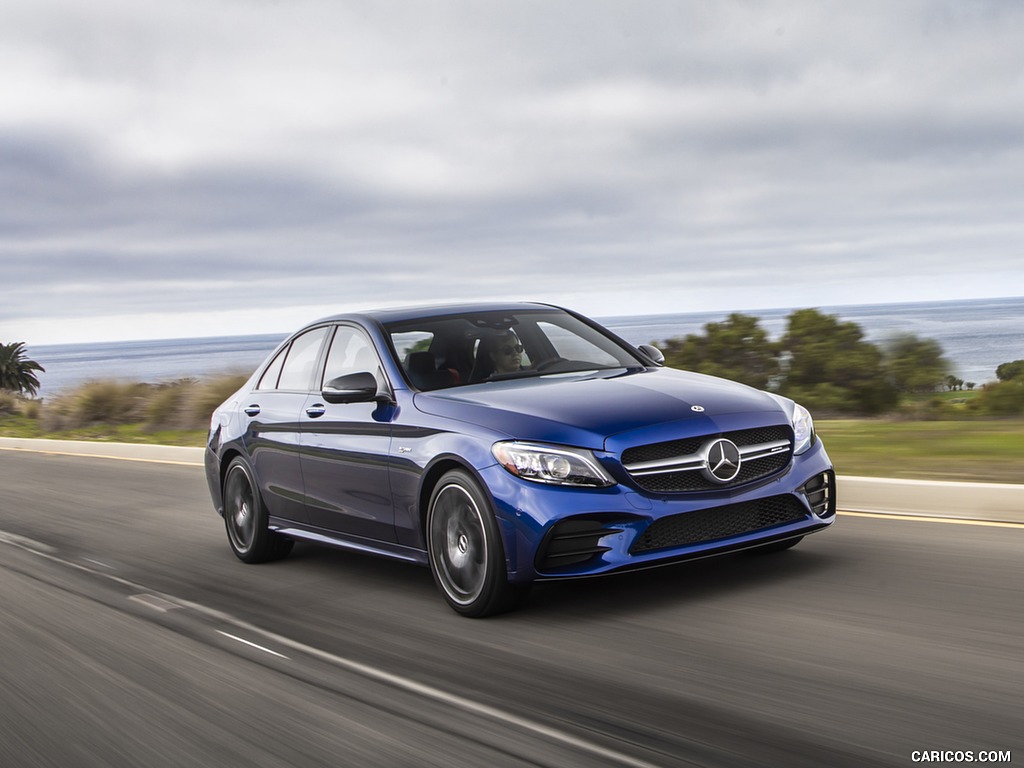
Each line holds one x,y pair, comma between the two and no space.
500,444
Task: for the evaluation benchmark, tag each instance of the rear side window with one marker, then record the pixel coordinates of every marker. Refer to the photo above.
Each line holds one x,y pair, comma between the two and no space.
269,378
297,372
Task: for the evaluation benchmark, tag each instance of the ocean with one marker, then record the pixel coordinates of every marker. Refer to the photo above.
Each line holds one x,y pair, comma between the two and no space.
976,336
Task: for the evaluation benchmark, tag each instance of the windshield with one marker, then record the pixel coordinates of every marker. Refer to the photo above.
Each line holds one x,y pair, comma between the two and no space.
455,350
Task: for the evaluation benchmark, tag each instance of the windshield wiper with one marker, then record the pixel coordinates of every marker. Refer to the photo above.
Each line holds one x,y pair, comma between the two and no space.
533,373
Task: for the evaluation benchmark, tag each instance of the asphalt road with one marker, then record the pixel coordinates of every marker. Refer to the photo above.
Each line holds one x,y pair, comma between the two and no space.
131,636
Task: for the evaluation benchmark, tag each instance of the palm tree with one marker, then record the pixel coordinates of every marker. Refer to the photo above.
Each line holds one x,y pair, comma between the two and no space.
17,372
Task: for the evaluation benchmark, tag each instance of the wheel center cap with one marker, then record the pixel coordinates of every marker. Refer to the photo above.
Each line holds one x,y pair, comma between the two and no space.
463,543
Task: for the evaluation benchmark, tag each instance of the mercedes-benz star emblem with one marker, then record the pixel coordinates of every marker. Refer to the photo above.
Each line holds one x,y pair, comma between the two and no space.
721,461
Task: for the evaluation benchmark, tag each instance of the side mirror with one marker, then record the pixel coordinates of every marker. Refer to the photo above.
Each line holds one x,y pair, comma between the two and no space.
351,388
652,353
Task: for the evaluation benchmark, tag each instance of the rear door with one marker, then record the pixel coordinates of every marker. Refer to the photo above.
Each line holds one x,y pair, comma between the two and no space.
274,409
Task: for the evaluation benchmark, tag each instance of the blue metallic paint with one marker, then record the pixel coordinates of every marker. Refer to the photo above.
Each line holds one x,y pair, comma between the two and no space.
606,412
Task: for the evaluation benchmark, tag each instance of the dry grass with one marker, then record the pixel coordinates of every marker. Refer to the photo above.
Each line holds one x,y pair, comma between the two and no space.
178,413
185,404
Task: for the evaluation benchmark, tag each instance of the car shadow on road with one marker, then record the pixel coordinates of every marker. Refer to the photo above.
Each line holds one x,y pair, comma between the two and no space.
625,594
696,581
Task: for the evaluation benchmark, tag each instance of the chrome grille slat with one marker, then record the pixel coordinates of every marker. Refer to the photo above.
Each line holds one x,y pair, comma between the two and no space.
679,464
695,461
660,469
752,452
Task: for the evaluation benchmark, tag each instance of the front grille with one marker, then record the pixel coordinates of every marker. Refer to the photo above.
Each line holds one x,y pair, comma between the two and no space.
707,525
678,465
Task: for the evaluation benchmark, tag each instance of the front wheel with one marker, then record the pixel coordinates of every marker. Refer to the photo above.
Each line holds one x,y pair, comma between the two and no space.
245,518
464,546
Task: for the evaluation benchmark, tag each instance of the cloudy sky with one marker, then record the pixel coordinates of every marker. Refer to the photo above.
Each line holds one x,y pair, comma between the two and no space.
207,167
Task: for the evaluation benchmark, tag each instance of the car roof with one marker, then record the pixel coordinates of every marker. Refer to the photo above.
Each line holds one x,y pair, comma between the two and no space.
412,313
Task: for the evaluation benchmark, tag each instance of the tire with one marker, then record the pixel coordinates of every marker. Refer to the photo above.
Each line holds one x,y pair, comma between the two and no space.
245,518
776,546
464,547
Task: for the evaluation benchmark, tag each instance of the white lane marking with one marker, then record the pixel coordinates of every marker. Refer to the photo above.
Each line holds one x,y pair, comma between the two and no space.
931,519
374,673
155,602
100,564
26,543
253,645
456,701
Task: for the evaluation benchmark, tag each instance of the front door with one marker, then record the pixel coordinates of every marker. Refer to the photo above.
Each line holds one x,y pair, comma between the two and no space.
345,449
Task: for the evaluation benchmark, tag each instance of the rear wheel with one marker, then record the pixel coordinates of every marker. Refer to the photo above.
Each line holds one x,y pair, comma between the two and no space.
245,518
467,559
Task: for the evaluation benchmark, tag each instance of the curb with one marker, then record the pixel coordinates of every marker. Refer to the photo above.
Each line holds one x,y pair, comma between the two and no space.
993,502
167,454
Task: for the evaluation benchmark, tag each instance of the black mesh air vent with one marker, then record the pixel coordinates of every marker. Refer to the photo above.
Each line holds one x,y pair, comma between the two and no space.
706,525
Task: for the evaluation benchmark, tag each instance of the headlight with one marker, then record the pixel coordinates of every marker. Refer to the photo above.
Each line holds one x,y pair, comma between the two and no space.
803,429
548,464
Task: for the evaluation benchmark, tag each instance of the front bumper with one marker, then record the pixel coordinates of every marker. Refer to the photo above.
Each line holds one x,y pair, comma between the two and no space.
553,532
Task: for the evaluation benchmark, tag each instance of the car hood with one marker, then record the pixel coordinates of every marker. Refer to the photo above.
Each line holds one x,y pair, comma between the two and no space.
603,408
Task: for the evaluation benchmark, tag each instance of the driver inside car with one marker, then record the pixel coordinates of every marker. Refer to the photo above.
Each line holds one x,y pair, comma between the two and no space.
506,353
499,353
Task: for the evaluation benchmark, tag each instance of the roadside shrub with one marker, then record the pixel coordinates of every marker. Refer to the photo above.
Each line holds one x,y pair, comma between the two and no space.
165,403
823,399
1005,398
931,409
185,404
209,394
96,402
8,402
31,409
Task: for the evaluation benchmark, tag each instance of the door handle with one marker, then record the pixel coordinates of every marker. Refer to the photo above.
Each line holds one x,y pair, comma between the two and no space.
316,411
252,410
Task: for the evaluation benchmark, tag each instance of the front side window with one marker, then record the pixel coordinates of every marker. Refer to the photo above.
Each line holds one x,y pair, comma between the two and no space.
297,373
351,352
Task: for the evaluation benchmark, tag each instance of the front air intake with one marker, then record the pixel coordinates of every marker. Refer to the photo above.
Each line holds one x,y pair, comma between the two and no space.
706,525
572,542
820,492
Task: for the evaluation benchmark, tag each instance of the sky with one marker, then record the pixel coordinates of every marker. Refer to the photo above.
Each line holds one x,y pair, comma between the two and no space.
222,167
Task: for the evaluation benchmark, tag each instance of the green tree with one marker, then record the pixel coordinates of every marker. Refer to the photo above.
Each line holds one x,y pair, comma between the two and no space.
1008,371
827,365
737,348
914,364
17,372
1004,398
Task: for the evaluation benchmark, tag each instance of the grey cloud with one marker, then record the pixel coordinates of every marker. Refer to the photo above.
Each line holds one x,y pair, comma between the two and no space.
196,155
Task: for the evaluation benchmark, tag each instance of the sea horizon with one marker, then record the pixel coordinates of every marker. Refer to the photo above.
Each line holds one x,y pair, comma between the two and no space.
976,335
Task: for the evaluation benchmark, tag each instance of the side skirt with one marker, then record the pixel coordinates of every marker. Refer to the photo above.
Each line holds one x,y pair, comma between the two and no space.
352,543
